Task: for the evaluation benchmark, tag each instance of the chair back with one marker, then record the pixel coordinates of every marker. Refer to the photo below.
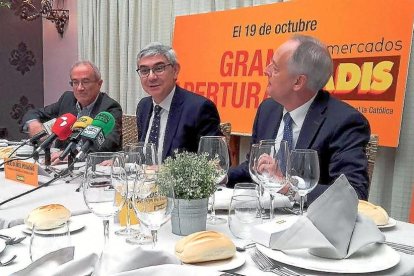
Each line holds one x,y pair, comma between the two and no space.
411,212
371,152
225,128
129,130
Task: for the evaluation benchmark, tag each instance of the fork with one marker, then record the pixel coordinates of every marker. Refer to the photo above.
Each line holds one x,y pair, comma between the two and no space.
10,240
4,263
268,265
407,249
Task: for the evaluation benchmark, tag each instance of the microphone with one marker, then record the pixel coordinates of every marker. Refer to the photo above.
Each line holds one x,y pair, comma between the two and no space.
48,125
61,129
94,135
77,129
37,137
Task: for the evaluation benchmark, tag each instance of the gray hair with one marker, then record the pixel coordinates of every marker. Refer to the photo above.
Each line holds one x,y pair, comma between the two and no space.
157,48
91,64
311,58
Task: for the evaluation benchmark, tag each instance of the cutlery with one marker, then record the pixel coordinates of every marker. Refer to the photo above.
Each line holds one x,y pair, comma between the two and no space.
4,263
231,274
244,247
11,240
407,249
268,265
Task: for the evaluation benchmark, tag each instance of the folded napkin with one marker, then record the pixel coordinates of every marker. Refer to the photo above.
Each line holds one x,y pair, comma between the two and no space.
332,227
172,269
119,260
48,263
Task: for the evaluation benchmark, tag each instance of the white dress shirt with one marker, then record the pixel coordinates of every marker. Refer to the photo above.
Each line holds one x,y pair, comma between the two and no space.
298,116
165,111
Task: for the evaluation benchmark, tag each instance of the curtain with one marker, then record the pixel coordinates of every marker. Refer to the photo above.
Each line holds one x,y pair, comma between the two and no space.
111,33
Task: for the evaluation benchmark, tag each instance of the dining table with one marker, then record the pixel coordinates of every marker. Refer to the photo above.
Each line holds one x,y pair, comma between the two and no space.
87,238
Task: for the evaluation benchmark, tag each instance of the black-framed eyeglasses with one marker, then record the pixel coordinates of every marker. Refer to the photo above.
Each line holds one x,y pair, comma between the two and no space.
158,69
85,83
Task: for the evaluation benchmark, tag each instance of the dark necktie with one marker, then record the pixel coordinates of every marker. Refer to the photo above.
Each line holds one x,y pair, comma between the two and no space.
287,130
155,127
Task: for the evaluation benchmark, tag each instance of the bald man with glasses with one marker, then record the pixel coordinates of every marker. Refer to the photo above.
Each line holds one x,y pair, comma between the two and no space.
86,99
170,117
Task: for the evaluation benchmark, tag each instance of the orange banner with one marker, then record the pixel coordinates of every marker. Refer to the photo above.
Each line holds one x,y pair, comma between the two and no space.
223,55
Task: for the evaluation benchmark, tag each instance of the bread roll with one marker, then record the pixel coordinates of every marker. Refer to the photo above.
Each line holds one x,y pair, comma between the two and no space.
48,216
376,213
204,246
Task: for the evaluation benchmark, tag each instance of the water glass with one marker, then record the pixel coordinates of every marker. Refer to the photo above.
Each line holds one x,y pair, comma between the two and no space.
43,241
244,213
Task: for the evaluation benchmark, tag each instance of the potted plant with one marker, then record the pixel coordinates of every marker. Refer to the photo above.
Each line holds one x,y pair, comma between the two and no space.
193,178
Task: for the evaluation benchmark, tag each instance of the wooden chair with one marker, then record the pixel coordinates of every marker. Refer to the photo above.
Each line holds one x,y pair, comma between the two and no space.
129,130
371,152
226,130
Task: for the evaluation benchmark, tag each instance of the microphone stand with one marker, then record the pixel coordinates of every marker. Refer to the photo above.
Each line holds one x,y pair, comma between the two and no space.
58,176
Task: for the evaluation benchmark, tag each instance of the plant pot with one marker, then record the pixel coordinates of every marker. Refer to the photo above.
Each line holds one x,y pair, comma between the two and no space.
189,216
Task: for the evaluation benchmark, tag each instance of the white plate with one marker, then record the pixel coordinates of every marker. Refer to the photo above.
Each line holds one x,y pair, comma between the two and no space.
2,245
237,260
391,223
372,258
73,226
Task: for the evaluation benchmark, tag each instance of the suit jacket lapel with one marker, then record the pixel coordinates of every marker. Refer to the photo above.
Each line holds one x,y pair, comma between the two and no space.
97,106
173,120
313,121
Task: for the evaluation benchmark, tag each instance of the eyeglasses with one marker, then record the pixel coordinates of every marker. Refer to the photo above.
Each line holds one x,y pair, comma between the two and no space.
85,83
158,69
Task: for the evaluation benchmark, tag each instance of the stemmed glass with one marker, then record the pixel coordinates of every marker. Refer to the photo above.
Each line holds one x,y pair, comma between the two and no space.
303,172
101,183
146,155
132,169
272,160
153,203
216,148
253,174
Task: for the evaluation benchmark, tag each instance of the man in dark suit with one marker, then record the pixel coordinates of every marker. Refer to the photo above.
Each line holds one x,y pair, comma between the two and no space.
338,132
171,117
85,100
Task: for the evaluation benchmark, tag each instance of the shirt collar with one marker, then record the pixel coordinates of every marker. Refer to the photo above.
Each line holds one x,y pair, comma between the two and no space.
298,115
88,108
166,103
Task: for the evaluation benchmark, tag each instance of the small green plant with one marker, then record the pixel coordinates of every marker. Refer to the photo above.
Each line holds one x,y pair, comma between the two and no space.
193,176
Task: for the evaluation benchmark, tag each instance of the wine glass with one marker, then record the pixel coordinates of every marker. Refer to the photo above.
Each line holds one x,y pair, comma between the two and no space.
253,174
101,183
303,172
271,167
132,169
216,148
153,203
147,155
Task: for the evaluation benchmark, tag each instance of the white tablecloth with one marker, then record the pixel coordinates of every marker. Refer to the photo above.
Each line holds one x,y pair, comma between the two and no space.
90,239
14,212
